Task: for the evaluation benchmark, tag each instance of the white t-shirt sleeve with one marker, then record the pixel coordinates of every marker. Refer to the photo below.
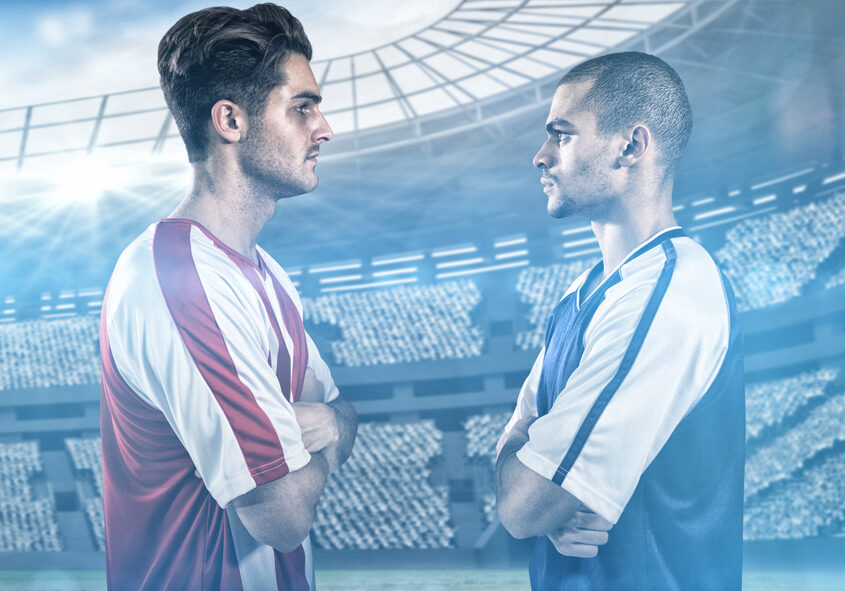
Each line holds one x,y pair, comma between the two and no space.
526,402
598,452
322,373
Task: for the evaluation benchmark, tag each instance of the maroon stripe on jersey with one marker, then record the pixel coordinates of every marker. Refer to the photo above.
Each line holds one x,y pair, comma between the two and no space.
290,570
293,322
283,358
185,297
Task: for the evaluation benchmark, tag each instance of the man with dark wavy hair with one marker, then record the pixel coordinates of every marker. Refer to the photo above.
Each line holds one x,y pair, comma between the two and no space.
219,419
634,412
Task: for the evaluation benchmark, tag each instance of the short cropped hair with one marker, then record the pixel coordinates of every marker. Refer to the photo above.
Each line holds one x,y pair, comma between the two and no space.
225,53
633,87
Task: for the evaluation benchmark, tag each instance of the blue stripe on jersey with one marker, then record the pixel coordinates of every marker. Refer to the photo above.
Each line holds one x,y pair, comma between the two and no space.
627,362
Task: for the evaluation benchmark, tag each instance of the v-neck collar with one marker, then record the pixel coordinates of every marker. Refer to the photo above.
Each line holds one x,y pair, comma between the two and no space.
231,252
613,278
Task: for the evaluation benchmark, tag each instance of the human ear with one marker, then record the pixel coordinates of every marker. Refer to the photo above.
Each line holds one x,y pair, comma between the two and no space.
636,146
229,121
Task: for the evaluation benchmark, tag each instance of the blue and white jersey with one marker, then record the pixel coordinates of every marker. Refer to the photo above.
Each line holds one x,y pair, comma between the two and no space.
640,402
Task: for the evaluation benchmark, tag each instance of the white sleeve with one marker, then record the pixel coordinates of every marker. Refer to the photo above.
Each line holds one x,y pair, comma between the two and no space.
321,372
526,402
203,356
636,380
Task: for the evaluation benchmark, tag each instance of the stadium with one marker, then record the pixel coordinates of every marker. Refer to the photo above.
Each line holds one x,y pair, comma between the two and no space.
428,267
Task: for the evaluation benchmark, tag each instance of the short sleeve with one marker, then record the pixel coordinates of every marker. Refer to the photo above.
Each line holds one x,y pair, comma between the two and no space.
649,355
200,355
526,402
321,372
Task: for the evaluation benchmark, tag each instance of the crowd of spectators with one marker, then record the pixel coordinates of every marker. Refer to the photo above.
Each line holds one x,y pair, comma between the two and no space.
86,455
94,512
482,431
382,497
541,288
402,324
48,353
780,457
768,403
26,523
770,259
800,508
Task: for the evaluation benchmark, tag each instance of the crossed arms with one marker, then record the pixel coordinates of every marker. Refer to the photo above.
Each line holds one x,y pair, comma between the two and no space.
280,513
529,505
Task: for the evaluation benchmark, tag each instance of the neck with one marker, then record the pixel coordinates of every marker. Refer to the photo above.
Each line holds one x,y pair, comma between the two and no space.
226,204
634,222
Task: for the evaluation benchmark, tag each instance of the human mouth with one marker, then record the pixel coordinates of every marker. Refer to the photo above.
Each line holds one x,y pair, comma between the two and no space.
547,183
312,157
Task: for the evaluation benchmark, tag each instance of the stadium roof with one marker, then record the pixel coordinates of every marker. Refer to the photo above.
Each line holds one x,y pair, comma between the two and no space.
480,51
765,79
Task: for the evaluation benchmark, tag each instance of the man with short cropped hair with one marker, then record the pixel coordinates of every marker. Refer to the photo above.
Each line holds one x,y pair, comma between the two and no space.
219,419
634,412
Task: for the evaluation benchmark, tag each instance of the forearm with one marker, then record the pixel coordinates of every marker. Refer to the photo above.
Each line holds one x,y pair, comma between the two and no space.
280,513
527,504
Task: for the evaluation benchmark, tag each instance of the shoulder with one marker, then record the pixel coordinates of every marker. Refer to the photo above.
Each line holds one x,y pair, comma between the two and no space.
682,285
133,281
697,288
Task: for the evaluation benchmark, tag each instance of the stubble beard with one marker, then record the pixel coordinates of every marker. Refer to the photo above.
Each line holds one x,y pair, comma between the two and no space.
591,199
270,168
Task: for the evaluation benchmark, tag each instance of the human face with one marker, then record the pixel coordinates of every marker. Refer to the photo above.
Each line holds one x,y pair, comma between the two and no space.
281,146
575,158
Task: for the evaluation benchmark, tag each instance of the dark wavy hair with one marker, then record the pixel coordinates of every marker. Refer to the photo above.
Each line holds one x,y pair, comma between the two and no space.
633,87
225,53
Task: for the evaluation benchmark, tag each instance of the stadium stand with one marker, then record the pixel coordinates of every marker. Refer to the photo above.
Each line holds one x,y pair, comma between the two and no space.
489,507
768,403
86,457
541,288
800,508
94,512
26,523
482,432
781,456
382,497
770,259
48,353
86,454
403,324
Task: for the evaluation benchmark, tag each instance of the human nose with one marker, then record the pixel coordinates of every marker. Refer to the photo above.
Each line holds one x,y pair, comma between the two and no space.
323,132
542,157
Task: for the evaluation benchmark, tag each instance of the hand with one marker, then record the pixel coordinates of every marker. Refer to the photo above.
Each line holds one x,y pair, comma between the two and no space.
582,535
318,424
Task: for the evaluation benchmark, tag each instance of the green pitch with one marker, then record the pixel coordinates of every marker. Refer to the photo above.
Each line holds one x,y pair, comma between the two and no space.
414,580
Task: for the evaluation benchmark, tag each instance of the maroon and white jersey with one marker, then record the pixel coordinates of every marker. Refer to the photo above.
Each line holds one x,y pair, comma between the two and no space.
203,352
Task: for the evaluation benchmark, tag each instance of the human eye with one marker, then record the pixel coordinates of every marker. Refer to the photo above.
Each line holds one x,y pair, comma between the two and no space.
303,108
562,137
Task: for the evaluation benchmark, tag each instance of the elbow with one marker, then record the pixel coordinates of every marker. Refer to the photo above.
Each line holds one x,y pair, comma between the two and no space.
512,518
285,537
288,543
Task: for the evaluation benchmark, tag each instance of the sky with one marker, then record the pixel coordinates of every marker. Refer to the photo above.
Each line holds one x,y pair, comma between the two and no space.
55,50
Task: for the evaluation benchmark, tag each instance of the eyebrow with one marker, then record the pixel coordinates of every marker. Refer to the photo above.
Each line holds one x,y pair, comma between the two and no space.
559,125
307,94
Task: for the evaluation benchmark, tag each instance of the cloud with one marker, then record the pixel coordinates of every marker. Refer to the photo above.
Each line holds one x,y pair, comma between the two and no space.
60,28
